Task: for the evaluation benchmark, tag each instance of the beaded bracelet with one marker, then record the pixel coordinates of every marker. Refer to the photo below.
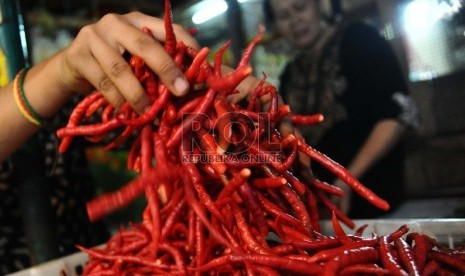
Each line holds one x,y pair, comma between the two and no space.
21,101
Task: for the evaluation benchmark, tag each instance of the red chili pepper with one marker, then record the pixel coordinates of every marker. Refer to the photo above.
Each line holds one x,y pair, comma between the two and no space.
317,245
449,260
325,255
273,182
312,206
406,256
402,230
264,270
247,54
233,185
133,153
364,269
421,248
344,175
180,56
89,130
295,182
350,257
206,199
150,114
210,148
244,230
249,197
253,105
161,268
283,111
431,268
299,209
154,210
172,218
277,262
283,249
224,124
218,58
328,188
187,124
170,38
214,215
387,258
340,233
188,107
94,107
197,207
151,86
274,210
192,72
138,66
110,202
229,82
330,206
291,156
288,233
170,204
306,119
76,116
359,231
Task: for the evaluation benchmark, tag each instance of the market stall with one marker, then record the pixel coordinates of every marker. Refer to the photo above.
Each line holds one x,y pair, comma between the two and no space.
224,187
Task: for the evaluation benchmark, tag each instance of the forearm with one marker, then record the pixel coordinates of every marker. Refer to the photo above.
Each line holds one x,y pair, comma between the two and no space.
384,136
45,94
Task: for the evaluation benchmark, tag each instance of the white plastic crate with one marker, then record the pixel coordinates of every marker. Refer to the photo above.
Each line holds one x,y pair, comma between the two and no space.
67,266
446,231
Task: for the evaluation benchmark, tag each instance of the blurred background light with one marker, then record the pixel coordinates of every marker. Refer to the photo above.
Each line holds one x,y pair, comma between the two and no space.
421,15
418,15
208,9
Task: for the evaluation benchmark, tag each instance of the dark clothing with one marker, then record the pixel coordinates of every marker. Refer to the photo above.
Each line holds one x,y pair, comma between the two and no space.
354,79
69,186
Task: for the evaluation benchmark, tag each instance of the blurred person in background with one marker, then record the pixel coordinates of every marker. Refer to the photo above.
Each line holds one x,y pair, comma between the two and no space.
349,73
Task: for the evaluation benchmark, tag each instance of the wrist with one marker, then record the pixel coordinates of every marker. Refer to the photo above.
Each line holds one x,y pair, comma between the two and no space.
44,89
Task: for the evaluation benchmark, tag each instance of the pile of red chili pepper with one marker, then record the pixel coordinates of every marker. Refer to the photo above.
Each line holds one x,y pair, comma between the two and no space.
222,189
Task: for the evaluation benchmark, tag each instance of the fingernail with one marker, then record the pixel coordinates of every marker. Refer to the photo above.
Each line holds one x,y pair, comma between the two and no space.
181,86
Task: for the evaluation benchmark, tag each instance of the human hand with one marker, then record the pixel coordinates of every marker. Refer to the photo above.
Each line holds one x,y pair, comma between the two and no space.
95,59
304,164
342,202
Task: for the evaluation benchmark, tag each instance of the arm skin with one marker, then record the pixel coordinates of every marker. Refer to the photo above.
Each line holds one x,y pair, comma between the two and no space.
372,66
44,91
384,136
